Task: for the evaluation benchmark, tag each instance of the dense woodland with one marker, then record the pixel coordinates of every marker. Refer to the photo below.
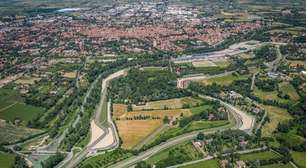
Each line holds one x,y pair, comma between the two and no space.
143,86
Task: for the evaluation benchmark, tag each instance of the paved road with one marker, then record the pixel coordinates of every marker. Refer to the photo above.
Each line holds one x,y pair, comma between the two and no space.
91,149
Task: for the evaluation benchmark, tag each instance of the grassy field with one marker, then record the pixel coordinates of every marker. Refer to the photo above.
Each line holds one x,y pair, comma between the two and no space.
187,146
11,133
7,160
170,104
158,113
199,125
21,111
132,132
287,88
276,115
277,165
12,108
27,80
299,159
205,164
266,155
224,80
203,63
199,109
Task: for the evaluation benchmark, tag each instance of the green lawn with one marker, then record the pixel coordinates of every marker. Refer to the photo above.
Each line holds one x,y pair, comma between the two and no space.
260,156
299,158
205,164
224,80
7,160
277,165
199,109
21,111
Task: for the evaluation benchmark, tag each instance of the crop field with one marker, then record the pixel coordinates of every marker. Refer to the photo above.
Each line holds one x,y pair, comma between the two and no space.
176,103
119,109
11,133
276,115
205,164
299,158
133,132
260,156
224,80
7,160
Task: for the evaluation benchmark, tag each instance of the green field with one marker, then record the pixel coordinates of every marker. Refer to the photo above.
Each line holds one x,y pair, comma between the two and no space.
12,108
287,88
21,111
205,164
187,147
277,165
199,109
299,158
199,125
260,156
224,80
7,160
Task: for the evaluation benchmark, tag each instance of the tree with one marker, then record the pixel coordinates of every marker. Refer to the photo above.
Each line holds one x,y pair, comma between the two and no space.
142,164
166,120
200,136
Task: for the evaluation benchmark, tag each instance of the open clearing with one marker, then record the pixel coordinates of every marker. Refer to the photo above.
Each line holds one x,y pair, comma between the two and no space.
133,132
70,75
269,96
7,160
205,164
224,80
169,104
299,159
203,63
297,63
287,88
11,133
277,165
260,156
276,115
27,80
